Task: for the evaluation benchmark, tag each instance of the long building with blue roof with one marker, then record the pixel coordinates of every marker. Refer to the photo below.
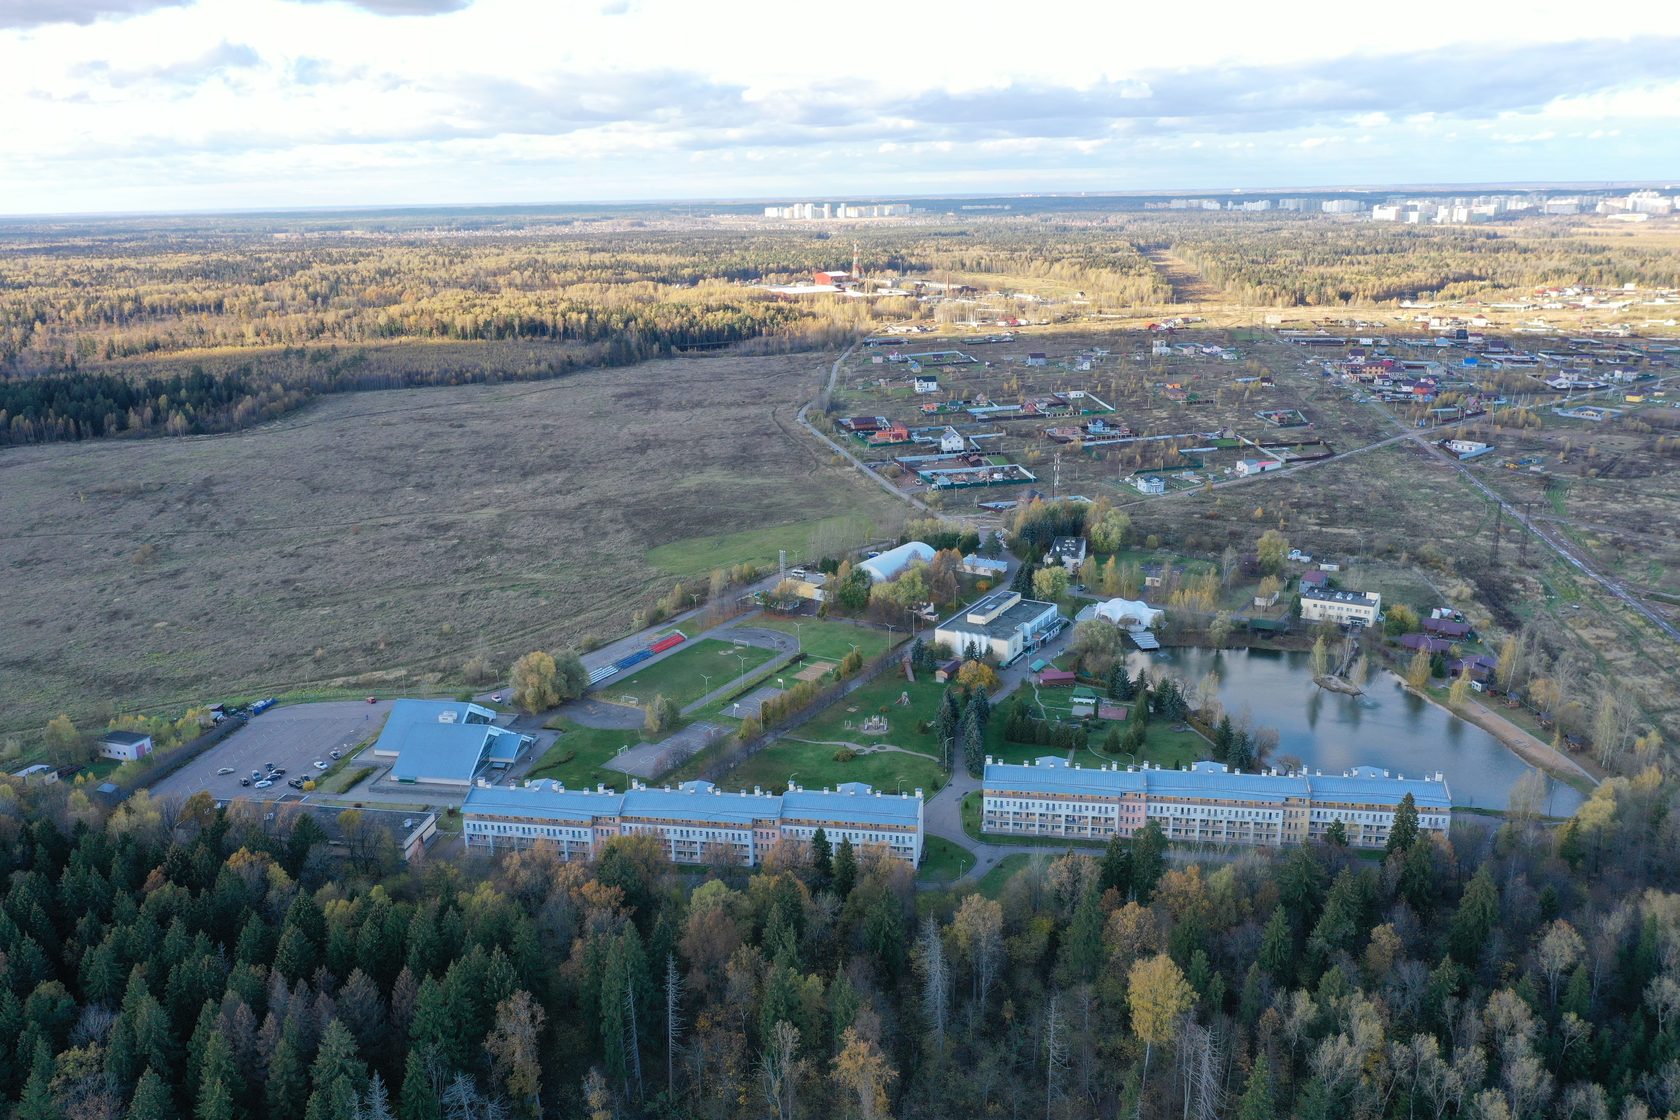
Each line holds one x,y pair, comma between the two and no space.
1208,803
697,822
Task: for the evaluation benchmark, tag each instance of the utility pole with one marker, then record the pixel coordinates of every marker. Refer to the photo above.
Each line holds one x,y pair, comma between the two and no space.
1056,483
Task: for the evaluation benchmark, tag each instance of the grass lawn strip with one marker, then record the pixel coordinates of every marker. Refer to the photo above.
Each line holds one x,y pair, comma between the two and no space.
943,860
814,767
577,757
825,640
679,677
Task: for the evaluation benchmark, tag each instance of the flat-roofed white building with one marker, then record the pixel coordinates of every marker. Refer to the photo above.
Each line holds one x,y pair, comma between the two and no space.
1206,804
697,822
1319,604
1002,625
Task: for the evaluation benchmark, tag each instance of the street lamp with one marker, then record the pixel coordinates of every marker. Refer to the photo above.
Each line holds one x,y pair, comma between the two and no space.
901,784
791,777
743,659
706,679
799,636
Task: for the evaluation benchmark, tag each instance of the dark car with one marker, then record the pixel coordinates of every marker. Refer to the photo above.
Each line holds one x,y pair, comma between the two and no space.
244,781
278,770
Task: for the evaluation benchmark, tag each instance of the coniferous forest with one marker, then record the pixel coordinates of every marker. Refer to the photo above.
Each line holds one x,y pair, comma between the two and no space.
174,959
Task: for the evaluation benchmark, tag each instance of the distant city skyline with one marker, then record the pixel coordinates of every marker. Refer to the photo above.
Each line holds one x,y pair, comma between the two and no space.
195,105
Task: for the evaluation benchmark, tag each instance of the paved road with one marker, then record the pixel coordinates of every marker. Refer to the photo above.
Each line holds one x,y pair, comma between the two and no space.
874,476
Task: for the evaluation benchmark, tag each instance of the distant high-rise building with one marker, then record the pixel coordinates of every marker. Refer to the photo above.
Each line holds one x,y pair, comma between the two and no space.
1343,206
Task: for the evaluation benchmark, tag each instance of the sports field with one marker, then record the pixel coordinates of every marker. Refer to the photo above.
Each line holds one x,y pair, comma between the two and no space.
690,673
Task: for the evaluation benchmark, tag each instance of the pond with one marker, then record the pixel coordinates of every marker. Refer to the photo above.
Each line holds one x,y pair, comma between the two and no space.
1387,727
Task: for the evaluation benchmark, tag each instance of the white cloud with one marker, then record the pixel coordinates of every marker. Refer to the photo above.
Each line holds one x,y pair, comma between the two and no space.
152,104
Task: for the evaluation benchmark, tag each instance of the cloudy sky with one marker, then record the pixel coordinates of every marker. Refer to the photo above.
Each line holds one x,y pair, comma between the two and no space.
114,105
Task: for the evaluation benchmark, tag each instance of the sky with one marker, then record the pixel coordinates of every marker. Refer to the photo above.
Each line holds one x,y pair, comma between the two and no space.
180,105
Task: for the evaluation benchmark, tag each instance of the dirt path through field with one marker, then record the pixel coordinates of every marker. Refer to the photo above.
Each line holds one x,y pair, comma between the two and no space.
1188,285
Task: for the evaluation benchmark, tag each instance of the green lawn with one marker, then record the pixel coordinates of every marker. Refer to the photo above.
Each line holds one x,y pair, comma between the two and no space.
679,676
943,860
828,640
756,546
992,882
576,757
814,767
880,697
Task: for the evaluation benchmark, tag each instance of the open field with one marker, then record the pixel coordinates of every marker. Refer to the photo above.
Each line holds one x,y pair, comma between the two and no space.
377,541
688,674
577,758
994,880
829,640
813,766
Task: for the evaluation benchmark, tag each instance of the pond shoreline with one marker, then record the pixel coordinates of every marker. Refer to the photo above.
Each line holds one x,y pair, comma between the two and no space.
1530,748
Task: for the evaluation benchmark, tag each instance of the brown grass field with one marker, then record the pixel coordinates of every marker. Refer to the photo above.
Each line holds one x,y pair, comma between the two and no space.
380,540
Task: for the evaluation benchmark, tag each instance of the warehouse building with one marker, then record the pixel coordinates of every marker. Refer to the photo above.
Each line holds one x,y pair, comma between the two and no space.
445,742
697,822
1206,804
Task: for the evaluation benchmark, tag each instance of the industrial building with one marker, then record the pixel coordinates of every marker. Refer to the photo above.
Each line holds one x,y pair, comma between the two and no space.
1320,604
696,822
1206,804
445,742
1003,626
125,746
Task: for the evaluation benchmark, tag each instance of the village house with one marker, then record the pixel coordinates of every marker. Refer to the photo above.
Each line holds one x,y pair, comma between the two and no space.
1342,607
1069,552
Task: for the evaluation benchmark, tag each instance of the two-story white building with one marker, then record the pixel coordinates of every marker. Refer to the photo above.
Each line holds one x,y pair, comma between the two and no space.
697,822
1320,604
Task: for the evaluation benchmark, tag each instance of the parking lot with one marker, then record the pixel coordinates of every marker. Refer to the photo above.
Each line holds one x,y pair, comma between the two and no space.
294,738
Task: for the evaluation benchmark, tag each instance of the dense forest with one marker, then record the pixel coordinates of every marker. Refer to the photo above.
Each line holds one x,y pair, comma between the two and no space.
135,327
172,959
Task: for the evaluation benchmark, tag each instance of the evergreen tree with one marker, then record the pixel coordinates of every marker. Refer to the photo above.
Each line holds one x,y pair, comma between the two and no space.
151,1099
417,1101
1277,947
822,858
1336,835
1258,1100
1116,871
1474,919
1149,859
1405,831
287,1087
845,868
1119,684
972,737
339,1076
37,1101
1082,945
1223,737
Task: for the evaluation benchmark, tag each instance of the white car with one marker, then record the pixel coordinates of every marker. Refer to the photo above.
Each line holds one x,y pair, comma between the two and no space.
319,765
264,784
495,698
225,770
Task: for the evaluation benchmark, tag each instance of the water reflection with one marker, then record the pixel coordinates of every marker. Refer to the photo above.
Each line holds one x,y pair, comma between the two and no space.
1386,727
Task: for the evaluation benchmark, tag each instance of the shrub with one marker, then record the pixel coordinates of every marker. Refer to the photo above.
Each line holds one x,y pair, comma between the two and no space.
844,754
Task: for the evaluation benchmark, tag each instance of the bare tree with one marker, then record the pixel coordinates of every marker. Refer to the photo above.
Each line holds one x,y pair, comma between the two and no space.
935,977
780,1068
673,1018
1055,1053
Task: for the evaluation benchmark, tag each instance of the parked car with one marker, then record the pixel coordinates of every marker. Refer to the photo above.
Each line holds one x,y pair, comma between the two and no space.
373,699
338,754
244,781
295,783
256,775
278,772
264,784
224,770
319,765
495,698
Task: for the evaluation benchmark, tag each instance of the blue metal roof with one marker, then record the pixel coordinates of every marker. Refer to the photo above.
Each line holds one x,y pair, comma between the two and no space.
695,802
447,751
1364,785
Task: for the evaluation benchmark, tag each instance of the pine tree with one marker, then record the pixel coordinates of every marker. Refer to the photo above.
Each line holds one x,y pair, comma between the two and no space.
339,1076
287,1088
417,1101
1405,831
1336,835
1223,736
972,737
1258,1100
37,1101
1149,859
822,858
1082,946
845,868
1277,947
151,1099
1116,870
